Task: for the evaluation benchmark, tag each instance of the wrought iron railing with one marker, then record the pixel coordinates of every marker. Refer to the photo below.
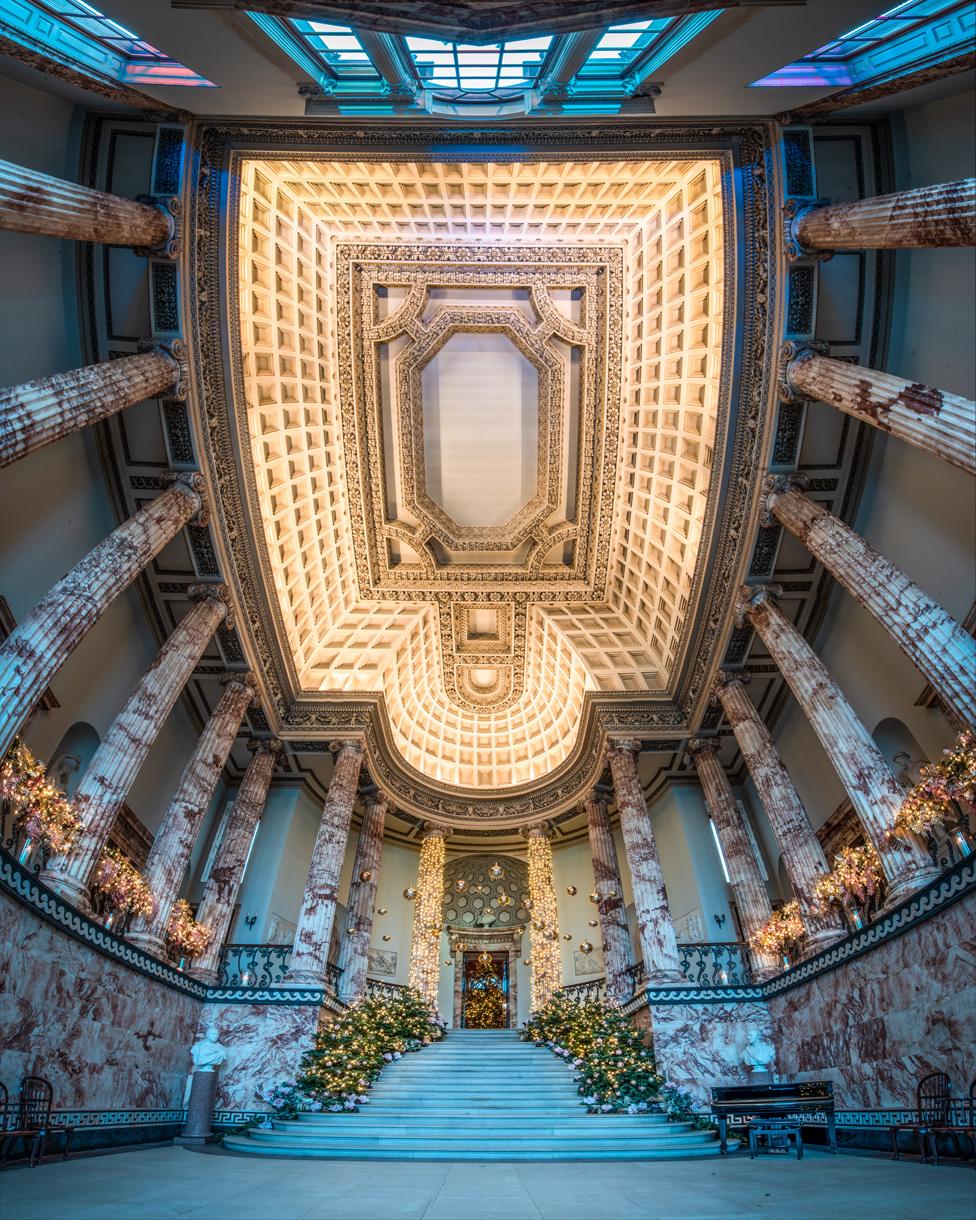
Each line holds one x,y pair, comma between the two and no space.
263,966
590,989
380,989
707,963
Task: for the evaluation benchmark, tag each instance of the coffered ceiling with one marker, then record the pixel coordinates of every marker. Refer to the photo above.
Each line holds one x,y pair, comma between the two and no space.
479,404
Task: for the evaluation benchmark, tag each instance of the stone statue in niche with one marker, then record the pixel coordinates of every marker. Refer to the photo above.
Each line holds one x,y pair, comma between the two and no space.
63,770
759,1054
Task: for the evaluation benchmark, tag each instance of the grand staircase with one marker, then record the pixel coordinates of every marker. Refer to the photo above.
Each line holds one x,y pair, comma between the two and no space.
479,1095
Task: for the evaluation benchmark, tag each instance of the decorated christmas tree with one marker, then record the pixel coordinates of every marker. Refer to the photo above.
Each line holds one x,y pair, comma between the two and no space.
485,1005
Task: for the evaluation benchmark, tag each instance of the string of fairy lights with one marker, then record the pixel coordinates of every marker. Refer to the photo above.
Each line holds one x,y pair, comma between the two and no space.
429,898
547,968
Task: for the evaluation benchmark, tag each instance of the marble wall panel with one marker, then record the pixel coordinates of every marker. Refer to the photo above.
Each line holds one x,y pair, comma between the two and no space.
700,1045
105,1036
876,1024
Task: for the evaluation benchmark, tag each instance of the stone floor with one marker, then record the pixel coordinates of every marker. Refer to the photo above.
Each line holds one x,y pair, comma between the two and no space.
163,1182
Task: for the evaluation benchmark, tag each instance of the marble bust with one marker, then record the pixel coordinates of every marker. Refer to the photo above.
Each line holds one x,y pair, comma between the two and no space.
759,1053
208,1054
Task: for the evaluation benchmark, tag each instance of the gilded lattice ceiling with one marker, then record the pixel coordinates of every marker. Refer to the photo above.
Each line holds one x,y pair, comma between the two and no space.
481,403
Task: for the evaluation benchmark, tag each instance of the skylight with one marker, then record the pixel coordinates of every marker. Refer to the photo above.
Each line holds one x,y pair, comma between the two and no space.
909,35
338,47
135,60
459,66
621,45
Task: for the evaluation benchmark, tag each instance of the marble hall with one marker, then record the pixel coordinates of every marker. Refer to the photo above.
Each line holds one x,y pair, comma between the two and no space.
487,609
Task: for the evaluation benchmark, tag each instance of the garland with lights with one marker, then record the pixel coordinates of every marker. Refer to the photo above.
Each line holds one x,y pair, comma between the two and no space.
185,936
855,878
425,944
547,965
351,1051
484,1006
41,812
780,932
952,778
122,885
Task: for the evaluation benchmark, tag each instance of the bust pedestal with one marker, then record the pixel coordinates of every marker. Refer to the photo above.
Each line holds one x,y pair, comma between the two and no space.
199,1111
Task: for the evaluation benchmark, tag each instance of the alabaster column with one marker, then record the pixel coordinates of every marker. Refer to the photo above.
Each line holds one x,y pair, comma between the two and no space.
941,215
38,412
614,933
31,202
875,794
217,907
803,856
310,954
930,637
658,942
117,761
748,889
547,958
425,939
172,846
931,419
37,648
354,946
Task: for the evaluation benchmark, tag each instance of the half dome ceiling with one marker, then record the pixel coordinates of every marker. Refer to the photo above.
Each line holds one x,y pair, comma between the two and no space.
480,402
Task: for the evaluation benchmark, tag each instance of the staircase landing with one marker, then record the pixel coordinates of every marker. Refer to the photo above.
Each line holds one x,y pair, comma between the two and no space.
480,1095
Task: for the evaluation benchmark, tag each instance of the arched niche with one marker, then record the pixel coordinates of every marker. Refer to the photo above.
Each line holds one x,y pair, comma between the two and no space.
70,760
478,906
900,749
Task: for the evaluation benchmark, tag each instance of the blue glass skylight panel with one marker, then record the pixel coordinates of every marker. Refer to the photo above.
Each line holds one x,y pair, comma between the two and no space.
452,65
338,47
888,25
621,45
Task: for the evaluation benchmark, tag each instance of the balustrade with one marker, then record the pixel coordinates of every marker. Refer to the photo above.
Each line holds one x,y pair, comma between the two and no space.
590,989
707,964
262,966
380,989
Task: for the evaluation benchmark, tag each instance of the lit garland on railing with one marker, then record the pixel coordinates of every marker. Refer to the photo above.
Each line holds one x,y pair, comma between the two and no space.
952,778
123,886
425,945
41,811
547,965
780,933
854,879
186,937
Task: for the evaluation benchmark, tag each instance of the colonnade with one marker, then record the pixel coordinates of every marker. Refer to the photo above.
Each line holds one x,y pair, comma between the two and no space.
45,410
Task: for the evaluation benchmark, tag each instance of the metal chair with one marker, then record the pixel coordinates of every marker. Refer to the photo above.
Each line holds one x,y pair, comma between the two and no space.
36,1097
966,1128
932,1098
12,1129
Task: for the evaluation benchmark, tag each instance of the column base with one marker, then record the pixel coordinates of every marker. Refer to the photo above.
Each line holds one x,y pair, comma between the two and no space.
148,943
303,978
823,938
68,887
907,885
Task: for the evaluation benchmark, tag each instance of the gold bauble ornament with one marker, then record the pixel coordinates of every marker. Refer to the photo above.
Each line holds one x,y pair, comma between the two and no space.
460,885
527,904
496,872
526,961
447,961
366,875
387,936
594,897
410,892
504,900
571,890
567,936
485,958
585,947
593,923
382,911
537,926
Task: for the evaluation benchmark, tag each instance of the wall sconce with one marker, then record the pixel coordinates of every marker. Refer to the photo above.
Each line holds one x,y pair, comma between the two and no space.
720,920
251,919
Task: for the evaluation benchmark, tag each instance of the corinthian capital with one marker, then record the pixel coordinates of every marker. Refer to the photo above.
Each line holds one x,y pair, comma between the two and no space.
753,595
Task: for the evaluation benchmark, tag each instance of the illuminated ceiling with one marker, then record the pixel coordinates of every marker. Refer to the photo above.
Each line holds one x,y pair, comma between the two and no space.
481,402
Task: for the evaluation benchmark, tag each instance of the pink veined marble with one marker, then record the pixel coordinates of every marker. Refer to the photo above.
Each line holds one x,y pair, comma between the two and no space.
614,933
874,792
226,875
658,942
309,958
173,844
751,897
117,760
802,853
38,647
354,945
940,215
697,1046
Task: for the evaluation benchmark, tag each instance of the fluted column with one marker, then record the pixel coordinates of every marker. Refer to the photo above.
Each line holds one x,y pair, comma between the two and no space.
226,876
803,856
31,202
751,898
874,792
354,946
658,942
173,845
940,215
935,420
613,916
428,911
117,761
38,412
310,954
37,648
930,637
547,958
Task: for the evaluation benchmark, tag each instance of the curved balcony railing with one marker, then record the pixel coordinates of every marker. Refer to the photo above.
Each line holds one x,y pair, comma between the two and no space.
263,966
590,989
722,963
381,989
